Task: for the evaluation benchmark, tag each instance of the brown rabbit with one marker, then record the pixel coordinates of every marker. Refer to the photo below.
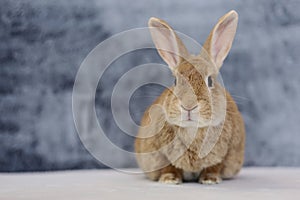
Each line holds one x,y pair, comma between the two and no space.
194,130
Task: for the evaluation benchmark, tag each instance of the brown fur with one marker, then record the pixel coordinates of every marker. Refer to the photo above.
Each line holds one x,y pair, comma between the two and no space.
166,147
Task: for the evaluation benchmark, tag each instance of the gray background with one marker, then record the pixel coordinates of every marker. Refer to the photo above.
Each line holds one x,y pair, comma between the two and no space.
44,42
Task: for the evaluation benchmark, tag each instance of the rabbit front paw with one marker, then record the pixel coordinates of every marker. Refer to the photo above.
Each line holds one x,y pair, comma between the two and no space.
210,179
170,178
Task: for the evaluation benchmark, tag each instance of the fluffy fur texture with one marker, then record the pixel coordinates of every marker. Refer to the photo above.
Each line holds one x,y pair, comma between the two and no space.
194,130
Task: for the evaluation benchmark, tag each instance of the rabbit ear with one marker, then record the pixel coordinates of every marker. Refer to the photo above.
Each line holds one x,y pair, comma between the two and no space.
221,37
167,43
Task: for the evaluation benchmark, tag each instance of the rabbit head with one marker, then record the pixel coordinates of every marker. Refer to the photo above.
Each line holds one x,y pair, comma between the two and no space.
197,99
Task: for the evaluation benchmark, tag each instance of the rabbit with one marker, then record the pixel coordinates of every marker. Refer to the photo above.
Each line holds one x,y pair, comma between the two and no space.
169,143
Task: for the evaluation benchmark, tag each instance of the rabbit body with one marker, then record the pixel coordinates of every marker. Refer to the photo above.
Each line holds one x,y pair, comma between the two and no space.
194,130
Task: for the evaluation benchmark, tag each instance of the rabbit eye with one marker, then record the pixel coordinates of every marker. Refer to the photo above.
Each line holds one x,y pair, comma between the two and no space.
209,82
175,81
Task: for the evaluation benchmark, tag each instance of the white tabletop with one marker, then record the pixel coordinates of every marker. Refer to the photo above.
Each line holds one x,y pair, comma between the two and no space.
252,183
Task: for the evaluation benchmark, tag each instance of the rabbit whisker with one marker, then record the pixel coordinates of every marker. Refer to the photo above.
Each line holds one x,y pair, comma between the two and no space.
240,97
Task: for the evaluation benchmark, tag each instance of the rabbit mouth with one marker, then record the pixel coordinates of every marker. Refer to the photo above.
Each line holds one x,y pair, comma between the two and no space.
192,122
189,120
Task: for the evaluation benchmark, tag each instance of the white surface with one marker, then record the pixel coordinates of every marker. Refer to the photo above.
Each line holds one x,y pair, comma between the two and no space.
252,183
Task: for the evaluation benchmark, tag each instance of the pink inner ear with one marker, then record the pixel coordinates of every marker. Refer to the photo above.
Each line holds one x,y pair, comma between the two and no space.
169,47
222,39
166,44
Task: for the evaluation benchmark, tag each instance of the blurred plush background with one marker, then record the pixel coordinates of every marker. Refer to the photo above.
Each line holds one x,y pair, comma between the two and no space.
43,42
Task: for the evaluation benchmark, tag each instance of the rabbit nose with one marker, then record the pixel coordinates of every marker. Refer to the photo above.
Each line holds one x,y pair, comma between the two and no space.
189,108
